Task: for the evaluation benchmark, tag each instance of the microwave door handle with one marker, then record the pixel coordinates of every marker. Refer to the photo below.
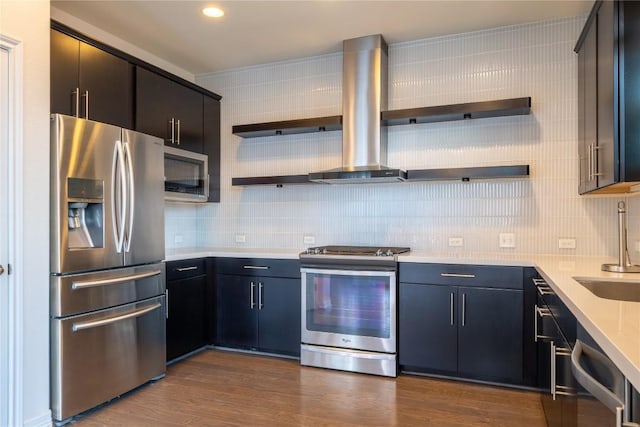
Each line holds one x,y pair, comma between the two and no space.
130,195
118,206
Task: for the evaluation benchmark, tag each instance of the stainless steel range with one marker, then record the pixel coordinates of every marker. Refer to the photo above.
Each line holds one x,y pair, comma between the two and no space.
349,308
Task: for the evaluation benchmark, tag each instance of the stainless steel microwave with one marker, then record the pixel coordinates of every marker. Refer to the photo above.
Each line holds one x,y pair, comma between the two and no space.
186,177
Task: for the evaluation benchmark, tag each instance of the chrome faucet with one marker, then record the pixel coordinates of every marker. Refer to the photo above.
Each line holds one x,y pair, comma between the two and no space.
624,262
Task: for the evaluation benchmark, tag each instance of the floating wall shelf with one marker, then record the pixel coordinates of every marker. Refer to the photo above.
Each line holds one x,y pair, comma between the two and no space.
289,127
445,174
442,113
446,113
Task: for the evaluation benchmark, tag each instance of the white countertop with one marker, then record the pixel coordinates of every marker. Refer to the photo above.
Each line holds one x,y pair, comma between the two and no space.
615,325
186,253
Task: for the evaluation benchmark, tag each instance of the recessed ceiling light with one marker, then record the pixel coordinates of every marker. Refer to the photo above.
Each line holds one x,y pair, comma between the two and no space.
213,12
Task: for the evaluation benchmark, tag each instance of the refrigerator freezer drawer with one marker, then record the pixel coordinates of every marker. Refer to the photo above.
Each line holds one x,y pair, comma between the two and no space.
98,356
80,293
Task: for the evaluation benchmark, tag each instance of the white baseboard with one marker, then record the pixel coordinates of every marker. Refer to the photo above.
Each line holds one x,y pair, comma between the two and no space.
43,420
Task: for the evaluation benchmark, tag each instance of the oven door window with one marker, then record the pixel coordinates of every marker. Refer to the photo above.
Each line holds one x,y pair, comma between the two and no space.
348,303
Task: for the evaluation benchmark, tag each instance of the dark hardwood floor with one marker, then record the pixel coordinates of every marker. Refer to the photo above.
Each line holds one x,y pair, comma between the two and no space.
217,388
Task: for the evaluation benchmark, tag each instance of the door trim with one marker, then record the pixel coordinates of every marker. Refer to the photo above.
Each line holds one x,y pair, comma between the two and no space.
11,302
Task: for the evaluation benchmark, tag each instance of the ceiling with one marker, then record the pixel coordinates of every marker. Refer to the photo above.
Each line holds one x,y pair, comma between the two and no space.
258,32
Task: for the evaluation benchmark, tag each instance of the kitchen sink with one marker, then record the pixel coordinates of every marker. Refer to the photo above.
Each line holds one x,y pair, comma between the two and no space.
612,289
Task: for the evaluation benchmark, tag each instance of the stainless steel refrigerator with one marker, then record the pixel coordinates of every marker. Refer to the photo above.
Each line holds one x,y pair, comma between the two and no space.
107,287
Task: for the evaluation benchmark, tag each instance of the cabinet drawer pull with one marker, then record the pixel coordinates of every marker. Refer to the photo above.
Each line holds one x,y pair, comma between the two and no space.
260,303
178,132
172,123
255,267
557,389
541,312
181,269
465,276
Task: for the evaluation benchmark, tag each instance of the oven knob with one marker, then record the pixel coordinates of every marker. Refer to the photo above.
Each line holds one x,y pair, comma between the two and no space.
389,252
316,251
324,251
379,252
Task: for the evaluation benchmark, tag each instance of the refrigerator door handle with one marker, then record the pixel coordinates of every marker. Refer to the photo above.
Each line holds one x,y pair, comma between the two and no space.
114,281
130,195
88,325
118,203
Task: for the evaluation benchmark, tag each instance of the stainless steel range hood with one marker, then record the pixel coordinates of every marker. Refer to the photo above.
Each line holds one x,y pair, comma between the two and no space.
364,97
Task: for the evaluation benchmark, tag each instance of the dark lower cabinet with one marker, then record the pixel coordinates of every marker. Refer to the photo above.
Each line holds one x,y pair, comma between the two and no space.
490,334
236,316
473,331
257,308
187,313
428,332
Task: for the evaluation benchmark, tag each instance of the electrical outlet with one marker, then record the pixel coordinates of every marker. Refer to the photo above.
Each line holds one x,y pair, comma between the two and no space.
178,238
309,239
241,238
507,240
456,241
566,243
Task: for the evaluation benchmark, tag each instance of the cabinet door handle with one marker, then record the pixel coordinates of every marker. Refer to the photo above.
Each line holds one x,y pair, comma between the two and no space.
255,267
166,301
86,104
557,389
178,132
193,267
172,124
464,308
451,310
459,275
589,162
252,300
76,94
260,303
541,312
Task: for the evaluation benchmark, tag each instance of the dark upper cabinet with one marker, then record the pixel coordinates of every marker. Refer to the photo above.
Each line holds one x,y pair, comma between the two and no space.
89,82
169,110
608,105
211,136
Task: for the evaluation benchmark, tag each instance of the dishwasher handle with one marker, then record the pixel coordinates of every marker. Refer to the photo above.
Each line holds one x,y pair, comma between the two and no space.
584,357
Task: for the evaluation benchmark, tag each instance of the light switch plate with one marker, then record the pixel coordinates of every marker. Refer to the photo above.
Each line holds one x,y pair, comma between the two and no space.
456,241
309,239
241,238
566,243
507,240
177,238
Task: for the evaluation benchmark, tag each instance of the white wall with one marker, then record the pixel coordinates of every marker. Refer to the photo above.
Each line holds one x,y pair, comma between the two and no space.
534,60
118,43
28,21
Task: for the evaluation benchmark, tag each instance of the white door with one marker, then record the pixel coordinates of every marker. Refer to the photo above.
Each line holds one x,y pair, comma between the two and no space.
4,238
7,310
4,282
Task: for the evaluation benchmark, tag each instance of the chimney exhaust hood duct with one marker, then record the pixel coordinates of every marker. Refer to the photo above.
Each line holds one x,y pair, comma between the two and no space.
364,97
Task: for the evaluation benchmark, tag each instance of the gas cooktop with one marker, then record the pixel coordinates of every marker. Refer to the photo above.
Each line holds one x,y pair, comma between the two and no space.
356,251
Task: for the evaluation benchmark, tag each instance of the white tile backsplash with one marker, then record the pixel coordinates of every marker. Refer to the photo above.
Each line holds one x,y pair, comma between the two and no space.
534,60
